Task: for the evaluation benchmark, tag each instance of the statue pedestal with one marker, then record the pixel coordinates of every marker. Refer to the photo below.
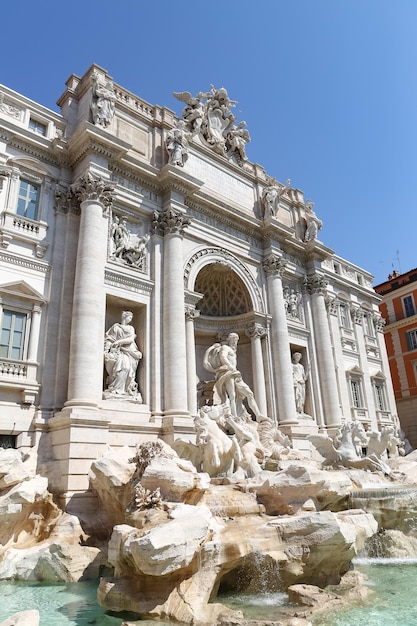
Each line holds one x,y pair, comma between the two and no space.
298,432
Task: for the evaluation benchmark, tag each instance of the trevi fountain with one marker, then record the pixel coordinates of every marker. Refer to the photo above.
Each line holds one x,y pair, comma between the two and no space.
232,456
233,526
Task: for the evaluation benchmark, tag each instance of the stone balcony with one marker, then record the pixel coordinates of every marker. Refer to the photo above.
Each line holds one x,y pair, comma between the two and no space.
20,377
23,229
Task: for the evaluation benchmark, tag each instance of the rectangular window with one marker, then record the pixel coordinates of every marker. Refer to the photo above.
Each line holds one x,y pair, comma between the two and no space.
408,304
344,316
356,394
27,201
8,441
380,396
412,339
369,326
37,127
12,335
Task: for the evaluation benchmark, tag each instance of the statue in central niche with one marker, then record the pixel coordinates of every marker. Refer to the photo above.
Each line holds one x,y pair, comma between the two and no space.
229,386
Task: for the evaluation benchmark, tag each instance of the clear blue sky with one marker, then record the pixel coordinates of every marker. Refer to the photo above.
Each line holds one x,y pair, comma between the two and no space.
328,89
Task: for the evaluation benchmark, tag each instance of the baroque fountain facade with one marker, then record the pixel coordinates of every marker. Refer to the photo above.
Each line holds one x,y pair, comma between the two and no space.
183,360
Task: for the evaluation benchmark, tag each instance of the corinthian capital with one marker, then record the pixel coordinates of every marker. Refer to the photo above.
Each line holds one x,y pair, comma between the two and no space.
255,330
274,265
170,221
316,284
94,188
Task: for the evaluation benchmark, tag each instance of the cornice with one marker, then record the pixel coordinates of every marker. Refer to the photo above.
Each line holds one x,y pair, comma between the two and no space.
220,211
407,321
89,138
26,262
124,281
47,154
141,173
172,177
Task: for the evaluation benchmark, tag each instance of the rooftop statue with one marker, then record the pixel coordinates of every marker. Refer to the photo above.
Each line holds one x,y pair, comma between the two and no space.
313,222
209,115
271,196
103,102
176,143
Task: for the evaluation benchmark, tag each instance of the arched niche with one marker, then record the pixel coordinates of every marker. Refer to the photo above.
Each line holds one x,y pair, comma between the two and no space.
230,301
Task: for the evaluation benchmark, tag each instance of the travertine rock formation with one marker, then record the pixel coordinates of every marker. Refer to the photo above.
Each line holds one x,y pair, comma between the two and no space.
178,537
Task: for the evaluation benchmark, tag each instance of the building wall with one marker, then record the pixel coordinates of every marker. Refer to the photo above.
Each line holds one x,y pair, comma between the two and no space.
213,261
398,308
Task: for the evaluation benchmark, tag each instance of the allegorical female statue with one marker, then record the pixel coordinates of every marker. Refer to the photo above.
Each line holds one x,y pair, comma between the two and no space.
121,359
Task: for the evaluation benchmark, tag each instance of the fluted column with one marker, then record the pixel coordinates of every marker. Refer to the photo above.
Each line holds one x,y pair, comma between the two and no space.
85,380
190,314
316,285
281,356
256,332
171,222
34,333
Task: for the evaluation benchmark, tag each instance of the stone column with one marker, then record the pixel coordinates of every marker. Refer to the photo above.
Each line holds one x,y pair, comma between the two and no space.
171,222
280,344
85,381
256,332
34,333
327,373
190,314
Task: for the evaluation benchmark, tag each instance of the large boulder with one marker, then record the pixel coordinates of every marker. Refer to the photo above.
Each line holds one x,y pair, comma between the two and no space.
286,491
177,479
110,479
165,548
54,554
22,618
13,470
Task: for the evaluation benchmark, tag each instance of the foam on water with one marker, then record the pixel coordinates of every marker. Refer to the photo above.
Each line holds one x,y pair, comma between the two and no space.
367,560
259,599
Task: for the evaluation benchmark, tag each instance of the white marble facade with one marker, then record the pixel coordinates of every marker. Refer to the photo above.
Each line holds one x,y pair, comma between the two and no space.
133,238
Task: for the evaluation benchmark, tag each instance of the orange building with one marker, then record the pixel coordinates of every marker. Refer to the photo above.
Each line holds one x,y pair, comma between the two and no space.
399,309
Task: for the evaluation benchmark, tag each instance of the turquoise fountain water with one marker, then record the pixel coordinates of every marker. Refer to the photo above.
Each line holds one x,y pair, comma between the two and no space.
72,604
394,582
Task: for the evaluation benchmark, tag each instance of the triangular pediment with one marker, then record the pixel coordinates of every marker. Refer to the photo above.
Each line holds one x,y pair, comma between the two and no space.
21,289
378,375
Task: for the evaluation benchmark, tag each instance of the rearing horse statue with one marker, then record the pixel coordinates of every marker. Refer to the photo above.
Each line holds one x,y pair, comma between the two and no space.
343,451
